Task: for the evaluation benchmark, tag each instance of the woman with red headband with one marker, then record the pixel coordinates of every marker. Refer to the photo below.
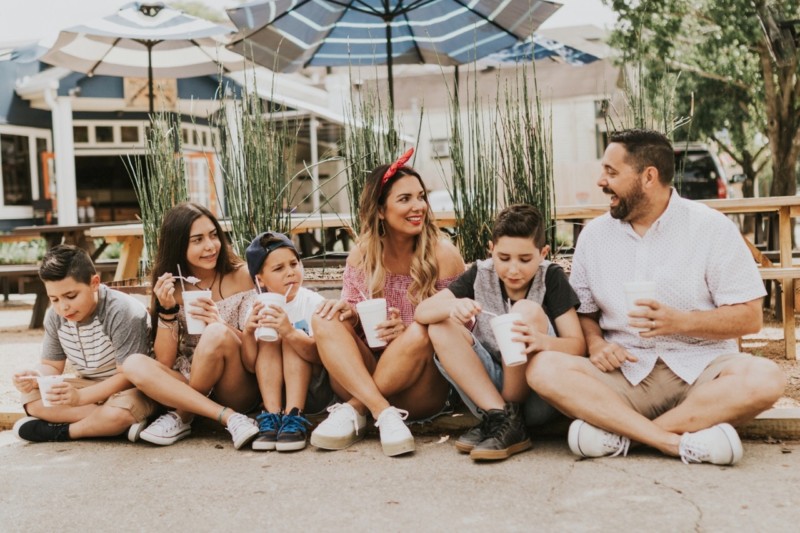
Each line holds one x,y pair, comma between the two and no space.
403,257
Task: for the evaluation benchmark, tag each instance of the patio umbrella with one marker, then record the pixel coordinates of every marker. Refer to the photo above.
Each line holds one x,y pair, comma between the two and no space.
286,35
145,40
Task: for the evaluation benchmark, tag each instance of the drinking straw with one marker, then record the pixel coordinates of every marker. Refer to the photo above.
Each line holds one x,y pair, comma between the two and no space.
489,313
288,291
180,275
258,286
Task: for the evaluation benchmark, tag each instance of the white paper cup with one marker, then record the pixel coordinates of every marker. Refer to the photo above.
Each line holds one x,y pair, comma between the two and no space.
194,326
268,299
639,290
45,382
371,313
513,352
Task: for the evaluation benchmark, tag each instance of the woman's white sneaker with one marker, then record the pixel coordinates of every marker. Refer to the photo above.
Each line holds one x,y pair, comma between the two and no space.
167,429
396,438
343,427
242,428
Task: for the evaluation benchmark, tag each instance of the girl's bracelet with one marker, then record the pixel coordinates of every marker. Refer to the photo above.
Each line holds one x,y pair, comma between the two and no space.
167,324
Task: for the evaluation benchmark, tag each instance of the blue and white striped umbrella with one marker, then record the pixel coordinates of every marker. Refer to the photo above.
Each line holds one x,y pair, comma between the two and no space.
286,35
145,39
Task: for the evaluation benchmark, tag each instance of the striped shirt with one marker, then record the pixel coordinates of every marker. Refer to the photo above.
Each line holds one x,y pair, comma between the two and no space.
119,326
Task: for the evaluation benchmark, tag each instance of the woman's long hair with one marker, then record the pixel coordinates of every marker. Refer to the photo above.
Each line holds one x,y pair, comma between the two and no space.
173,242
424,267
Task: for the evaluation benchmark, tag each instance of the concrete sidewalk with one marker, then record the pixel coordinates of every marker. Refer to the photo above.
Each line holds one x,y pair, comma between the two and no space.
203,484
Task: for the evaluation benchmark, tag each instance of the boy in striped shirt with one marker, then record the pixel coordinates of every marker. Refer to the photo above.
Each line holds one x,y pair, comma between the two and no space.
95,329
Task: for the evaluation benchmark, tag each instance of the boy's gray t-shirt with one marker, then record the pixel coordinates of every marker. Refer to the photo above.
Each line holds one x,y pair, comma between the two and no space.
119,326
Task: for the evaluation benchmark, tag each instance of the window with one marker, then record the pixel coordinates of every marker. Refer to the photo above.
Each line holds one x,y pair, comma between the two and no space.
15,161
129,134
80,134
440,148
104,134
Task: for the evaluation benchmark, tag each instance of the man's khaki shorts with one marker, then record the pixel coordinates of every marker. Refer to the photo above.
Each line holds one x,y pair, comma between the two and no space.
132,400
661,390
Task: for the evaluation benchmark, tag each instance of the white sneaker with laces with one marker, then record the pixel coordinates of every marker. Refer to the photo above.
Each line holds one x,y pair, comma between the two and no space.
396,438
167,429
242,428
586,440
343,427
719,445
135,430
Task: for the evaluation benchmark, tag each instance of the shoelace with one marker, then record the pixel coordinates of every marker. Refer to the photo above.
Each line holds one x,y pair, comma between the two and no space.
392,423
237,423
618,443
167,422
268,421
692,451
294,424
342,413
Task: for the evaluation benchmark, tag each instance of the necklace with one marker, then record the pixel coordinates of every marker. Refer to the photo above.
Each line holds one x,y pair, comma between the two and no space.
211,285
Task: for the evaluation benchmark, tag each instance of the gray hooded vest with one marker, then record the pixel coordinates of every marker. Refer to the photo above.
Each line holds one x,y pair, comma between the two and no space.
488,294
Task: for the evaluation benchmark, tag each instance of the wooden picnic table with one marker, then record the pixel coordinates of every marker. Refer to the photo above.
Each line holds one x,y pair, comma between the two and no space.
784,208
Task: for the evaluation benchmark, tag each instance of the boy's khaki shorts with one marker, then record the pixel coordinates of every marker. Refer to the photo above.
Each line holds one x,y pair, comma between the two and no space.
661,390
132,400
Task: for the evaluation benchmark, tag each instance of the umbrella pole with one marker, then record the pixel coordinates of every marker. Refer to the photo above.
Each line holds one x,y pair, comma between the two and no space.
389,60
150,73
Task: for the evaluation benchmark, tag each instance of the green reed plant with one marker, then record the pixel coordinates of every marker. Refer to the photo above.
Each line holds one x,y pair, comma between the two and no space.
648,102
159,178
525,147
370,139
257,161
474,165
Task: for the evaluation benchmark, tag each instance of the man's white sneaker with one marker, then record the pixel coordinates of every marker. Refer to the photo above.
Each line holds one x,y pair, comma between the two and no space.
242,428
167,429
343,427
586,440
396,438
719,445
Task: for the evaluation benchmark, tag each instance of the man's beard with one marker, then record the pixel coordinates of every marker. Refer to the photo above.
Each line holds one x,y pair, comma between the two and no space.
628,203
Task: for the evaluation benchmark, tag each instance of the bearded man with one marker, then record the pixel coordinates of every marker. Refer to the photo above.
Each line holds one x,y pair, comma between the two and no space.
666,373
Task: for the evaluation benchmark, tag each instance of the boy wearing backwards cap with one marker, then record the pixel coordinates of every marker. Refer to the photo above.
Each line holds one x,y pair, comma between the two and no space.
290,364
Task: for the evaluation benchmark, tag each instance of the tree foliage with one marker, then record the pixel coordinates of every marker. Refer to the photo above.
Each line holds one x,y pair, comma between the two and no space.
729,83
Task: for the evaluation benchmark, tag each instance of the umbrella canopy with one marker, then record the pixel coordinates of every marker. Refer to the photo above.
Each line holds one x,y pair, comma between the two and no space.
538,47
286,35
145,40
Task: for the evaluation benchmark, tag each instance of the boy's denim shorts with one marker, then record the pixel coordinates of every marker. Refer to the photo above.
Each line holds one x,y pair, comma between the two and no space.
537,411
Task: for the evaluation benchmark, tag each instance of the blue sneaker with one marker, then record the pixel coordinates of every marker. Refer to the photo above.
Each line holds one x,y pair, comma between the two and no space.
268,426
294,431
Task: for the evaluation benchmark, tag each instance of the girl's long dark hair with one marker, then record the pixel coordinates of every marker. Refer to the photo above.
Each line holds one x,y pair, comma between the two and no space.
173,242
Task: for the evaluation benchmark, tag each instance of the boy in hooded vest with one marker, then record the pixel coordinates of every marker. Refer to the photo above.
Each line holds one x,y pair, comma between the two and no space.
516,278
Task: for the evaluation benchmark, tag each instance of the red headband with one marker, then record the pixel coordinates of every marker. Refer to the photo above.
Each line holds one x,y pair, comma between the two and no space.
402,160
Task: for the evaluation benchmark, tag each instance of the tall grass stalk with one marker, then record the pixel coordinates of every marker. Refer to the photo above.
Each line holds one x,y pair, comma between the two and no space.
649,103
257,161
525,147
474,166
159,178
371,139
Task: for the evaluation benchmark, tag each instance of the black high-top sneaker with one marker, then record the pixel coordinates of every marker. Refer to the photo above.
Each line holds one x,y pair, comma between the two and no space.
507,435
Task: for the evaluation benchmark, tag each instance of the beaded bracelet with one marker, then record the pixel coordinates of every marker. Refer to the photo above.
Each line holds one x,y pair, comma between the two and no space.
167,311
164,324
